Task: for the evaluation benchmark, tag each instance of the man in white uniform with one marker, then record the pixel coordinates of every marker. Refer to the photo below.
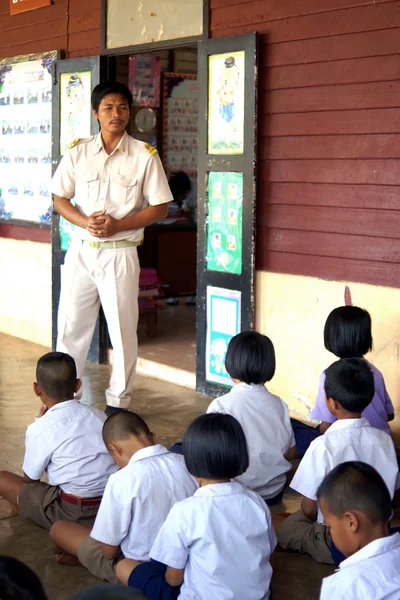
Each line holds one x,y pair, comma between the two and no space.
119,187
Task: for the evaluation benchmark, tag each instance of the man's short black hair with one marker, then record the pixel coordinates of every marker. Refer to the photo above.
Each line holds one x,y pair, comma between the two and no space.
123,425
350,382
110,87
250,358
347,332
356,487
215,447
56,375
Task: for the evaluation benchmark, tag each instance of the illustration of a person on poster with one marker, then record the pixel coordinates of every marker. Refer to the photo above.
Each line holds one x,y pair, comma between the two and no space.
76,106
229,80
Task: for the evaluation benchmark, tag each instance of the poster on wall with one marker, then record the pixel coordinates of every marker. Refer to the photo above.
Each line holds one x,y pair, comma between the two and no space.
226,74
25,139
180,123
224,222
144,79
20,6
75,107
223,323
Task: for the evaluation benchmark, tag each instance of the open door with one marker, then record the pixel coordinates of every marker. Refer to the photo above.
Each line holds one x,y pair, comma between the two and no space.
72,117
226,202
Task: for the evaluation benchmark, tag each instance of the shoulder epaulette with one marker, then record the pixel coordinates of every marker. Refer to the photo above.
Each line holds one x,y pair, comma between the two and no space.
150,149
79,141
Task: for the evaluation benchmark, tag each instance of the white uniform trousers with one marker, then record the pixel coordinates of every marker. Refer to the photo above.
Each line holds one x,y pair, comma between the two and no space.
90,276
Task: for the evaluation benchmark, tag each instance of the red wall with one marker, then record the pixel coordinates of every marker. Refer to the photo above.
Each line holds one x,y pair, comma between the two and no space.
329,146
69,25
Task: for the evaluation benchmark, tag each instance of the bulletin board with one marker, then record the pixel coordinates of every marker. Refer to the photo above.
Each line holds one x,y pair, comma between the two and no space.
227,164
25,139
180,123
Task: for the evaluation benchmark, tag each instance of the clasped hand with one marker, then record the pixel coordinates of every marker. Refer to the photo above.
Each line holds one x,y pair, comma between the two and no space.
101,225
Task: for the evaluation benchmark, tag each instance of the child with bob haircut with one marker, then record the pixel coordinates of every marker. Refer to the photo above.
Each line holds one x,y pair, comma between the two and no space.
349,388
357,508
347,334
250,362
217,544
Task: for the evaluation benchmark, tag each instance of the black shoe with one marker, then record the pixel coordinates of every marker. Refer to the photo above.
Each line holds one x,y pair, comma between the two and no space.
111,410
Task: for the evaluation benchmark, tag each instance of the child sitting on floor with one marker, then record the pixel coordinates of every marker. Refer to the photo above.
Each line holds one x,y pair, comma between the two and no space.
250,362
349,388
356,506
216,545
347,334
65,441
135,504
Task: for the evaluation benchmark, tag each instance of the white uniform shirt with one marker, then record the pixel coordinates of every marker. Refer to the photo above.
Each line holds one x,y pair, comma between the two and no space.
223,538
346,440
269,434
122,183
372,573
138,499
67,444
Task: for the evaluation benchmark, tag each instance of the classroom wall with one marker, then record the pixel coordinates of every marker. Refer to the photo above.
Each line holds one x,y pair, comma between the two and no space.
329,177
25,299
72,27
69,25
329,134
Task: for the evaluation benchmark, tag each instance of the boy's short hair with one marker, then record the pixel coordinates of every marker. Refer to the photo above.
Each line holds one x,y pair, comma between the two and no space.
250,358
347,332
350,382
123,425
110,87
358,487
56,375
215,447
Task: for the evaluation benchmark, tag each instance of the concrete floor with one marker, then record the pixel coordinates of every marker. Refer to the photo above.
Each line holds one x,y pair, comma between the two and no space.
168,409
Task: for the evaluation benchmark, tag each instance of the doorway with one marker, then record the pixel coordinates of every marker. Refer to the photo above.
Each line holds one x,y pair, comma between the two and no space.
167,297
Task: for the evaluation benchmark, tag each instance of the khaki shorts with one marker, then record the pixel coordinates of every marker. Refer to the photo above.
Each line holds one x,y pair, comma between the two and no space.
299,533
90,555
41,503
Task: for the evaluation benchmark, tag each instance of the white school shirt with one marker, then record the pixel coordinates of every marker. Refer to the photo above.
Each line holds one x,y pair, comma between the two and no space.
372,573
346,440
67,444
269,434
223,538
122,183
138,499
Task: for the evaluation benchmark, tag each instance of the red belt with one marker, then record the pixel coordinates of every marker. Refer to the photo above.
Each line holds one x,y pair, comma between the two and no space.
82,501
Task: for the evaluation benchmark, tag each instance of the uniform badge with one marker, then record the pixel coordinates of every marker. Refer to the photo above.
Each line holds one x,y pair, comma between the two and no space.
74,143
150,149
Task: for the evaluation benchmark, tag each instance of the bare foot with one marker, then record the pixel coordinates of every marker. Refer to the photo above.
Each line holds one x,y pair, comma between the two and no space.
64,558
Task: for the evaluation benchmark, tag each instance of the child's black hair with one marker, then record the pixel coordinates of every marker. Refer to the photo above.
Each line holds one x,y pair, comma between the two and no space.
356,487
19,582
110,87
347,332
180,186
350,382
250,358
123,425
56,375
215,447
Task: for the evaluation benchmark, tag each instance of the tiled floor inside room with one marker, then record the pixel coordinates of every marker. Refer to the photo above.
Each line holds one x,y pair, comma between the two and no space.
167,408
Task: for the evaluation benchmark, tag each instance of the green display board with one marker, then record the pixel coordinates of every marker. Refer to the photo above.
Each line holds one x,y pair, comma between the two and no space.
66,229
224,222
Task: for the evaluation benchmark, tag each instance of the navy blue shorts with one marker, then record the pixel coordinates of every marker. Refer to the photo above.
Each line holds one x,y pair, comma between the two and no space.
149,578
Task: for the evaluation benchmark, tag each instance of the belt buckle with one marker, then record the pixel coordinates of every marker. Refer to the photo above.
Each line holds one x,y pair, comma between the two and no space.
94,244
